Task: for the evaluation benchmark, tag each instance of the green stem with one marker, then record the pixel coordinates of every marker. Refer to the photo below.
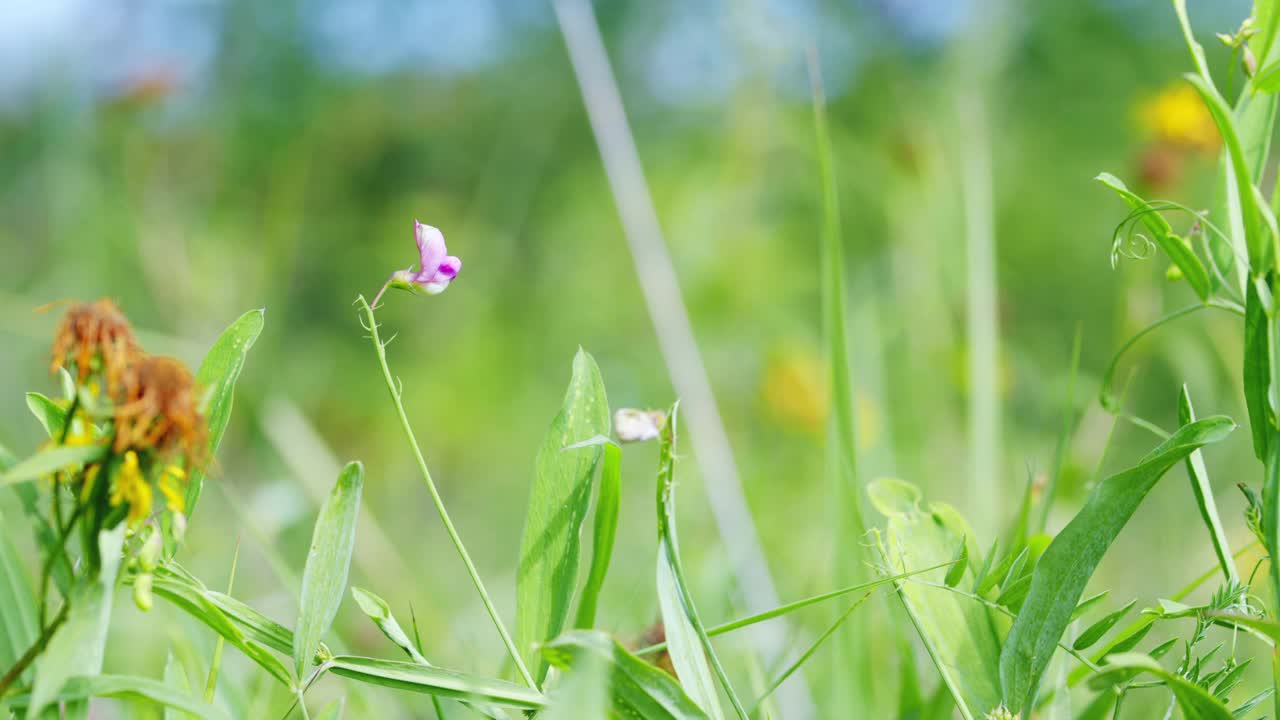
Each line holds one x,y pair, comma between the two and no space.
371,324
33,652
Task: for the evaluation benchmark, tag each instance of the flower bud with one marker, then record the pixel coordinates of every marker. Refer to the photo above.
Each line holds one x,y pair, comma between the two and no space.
149,555
142,591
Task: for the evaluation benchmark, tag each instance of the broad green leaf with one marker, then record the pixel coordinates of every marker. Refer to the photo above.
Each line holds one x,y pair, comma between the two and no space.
1203,492
434,681
50,460
217,378
324,579
636,688
77,647
52,416
1178,250
1066,566
1195,702
1094,632
191,600
608,499
80,689
547,575
956,631
18,628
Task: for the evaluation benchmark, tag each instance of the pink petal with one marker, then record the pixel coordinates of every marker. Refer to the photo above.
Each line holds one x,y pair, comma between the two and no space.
431,249
449,268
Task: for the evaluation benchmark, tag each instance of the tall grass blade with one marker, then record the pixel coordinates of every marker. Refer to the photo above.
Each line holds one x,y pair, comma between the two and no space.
1203,492
558,502
434,681
636,688
217,376
324,579
175,678
1066,566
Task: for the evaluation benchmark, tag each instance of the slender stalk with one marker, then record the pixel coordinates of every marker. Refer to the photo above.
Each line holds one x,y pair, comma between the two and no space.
34,651
215,665
371,324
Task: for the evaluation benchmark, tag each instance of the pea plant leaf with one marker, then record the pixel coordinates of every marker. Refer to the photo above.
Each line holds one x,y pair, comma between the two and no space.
1195,702
547,574
608,500
217,379
636,688
1068,563
324,579
1178,250
434,681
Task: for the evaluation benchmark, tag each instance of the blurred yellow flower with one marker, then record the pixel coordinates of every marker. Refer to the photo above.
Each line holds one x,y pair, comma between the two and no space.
1177,116
173,486
131,487
795,395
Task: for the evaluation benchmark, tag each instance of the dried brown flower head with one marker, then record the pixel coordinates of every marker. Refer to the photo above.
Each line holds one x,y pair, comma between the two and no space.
157,407
657,633
95,337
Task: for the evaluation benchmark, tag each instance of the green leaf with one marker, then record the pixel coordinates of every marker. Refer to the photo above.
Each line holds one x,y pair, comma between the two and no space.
256,626
50,460
333,711
1094,632
608,500
77,647
1203,492
52,416
1268,78
324,579
1179,251
175,678
956,631
1257,364
687,639
1066,566
956,572
1269,628
217,377
548,571
81,688
1087,603
18,629
582,693
434,681
1196,702
636,688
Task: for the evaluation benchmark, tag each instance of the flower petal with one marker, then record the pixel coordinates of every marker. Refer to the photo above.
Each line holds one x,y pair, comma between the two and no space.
449,268
431,248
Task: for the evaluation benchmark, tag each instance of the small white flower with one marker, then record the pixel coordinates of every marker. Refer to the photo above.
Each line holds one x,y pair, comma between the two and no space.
633,425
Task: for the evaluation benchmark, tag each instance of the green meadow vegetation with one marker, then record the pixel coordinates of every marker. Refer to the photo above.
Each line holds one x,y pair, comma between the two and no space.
879,408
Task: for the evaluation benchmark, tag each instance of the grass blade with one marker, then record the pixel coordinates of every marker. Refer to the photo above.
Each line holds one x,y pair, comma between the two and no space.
81,688
50,460
324,580
434,681
608,500
558,503
1069,561
1257,365
217,377
679,613
1203,492
636,688
1094,632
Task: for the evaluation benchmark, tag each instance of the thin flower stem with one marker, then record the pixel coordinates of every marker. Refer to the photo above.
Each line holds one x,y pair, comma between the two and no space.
34,651
371,325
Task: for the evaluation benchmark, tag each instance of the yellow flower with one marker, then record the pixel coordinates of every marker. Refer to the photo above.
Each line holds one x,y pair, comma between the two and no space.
1177,116
173,486
132,487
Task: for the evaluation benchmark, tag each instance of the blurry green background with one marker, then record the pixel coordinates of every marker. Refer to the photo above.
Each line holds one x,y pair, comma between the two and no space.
196,159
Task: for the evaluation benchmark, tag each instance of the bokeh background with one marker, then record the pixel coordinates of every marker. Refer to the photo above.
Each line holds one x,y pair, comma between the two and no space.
193,159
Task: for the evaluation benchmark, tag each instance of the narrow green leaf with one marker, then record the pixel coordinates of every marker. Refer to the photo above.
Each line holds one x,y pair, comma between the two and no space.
175,678
50,460
1069,562
956,631
1178,250
1087,603
18,628
608,500
685,632
80,689
1203,492
1195,702
636,688
1257,364
1094,632
324,579
434,681
77,647
52,416
558,501
256,626
1269,628
1268,78
956,573
217,378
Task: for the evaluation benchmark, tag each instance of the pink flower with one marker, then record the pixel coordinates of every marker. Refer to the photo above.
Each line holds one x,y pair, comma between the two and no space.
437,267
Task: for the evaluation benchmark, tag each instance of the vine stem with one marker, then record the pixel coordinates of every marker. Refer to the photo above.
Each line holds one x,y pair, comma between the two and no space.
34,651
371,324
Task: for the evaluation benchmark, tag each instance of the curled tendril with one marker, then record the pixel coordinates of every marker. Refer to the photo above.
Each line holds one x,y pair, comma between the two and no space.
1128,241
